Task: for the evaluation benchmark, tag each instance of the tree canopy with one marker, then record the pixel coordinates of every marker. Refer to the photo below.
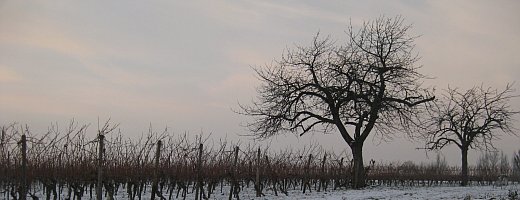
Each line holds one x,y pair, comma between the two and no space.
470,119
370,81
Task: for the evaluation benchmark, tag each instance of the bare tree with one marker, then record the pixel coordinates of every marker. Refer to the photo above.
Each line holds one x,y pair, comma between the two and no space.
505,167
487,164
470,119
369,83
439,165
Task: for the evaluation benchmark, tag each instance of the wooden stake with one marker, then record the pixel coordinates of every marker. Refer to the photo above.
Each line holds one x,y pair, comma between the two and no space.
155,187
198,188
307,176
99,186
233,180
322,180
23,187
257,181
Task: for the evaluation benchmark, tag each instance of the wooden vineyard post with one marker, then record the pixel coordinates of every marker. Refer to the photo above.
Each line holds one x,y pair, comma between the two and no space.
233,178
307,175
322,173
274,178
155,187
339,174
257,181
99,186
198,188
23,186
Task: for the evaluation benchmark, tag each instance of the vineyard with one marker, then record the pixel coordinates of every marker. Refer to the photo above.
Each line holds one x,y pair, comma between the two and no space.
68,164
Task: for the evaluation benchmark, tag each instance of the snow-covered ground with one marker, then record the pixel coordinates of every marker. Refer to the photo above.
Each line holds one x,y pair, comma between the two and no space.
373,192
385,192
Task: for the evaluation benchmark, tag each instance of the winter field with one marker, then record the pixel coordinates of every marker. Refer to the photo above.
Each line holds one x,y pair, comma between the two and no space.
385,192
371,192
73,165
440,192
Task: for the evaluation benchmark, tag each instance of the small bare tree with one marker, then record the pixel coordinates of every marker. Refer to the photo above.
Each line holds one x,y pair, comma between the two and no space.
439,165
470,119
505,167
370,83
515,161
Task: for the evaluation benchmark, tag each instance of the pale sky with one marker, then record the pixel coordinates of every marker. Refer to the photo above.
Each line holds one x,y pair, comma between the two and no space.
186,64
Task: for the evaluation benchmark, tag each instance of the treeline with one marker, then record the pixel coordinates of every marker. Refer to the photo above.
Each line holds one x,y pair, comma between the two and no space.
67,163
491,168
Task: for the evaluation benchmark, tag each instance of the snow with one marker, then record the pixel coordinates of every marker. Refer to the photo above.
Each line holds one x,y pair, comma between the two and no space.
372,192
385,192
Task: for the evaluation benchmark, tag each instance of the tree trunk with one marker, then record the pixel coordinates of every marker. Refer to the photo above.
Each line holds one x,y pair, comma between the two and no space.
464,174
358,170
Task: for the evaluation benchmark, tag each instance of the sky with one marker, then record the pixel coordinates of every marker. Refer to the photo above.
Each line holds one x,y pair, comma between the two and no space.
186,65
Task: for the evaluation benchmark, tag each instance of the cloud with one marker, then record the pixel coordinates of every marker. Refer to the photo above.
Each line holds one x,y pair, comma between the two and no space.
187,63
9,76
228,91
43,33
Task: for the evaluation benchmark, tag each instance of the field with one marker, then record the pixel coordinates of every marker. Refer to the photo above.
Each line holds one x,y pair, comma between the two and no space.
374,192
67,164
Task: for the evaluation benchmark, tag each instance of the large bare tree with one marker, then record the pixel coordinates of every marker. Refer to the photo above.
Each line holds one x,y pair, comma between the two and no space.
369,83
470,119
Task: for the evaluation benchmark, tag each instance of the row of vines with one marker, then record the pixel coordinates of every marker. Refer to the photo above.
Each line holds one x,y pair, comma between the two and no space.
68,164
